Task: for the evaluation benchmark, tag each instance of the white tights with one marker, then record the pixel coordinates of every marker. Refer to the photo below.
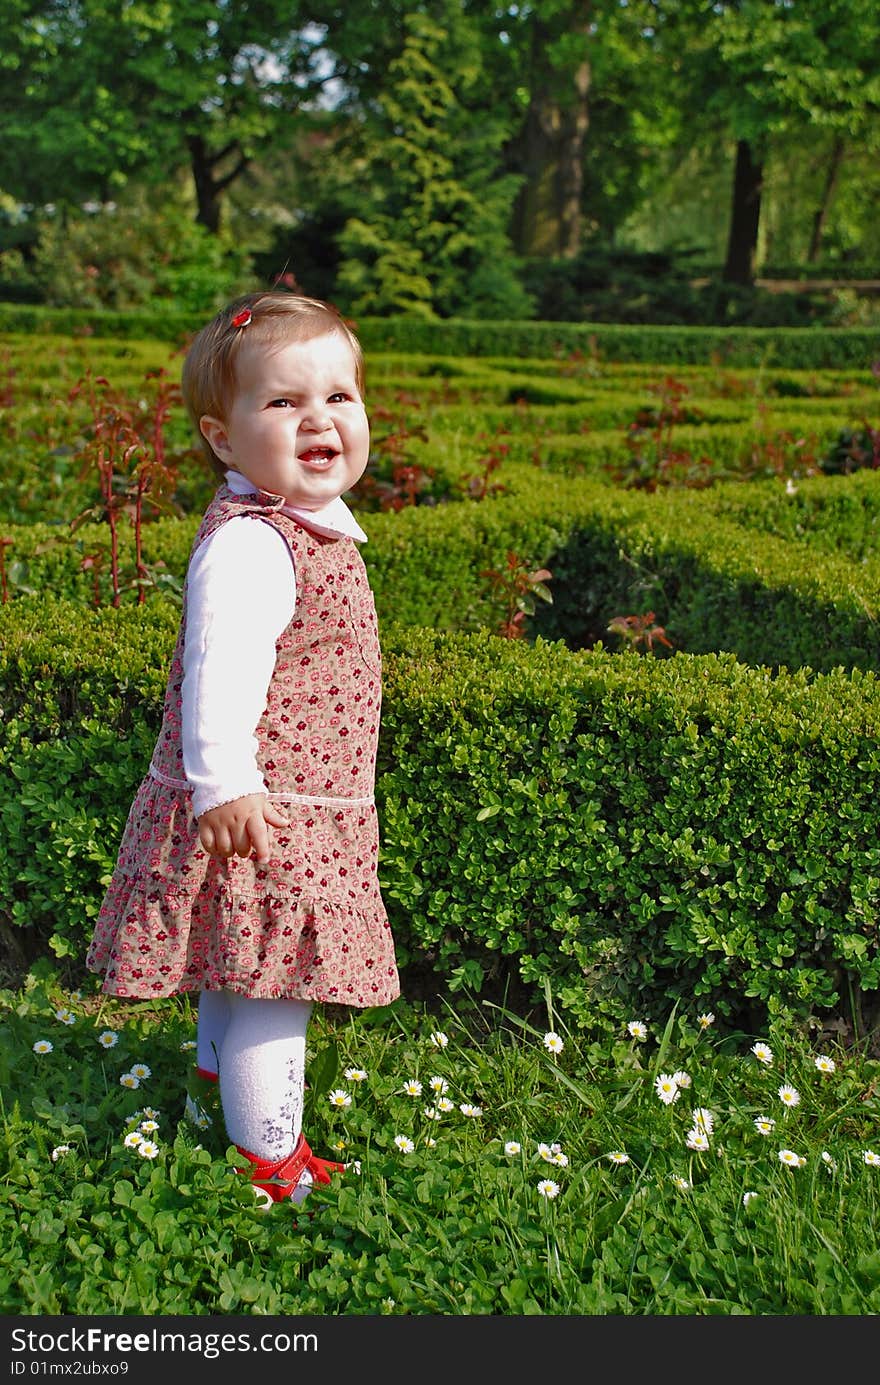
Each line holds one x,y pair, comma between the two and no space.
258,1049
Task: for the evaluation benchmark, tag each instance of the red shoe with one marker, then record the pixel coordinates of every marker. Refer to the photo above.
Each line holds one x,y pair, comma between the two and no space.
277,1179
321,1169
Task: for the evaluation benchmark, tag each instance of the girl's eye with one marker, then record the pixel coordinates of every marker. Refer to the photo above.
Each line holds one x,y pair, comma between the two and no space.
279,403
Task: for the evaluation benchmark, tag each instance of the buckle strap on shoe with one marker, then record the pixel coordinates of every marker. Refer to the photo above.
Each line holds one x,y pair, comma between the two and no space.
321,1169
278,1177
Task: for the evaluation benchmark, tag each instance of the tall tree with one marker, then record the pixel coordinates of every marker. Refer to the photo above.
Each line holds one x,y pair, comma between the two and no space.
97,91
760,69
549,211
589,102
430,237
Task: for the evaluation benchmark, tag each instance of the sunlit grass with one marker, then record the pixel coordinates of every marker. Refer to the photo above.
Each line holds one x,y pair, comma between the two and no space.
496,1165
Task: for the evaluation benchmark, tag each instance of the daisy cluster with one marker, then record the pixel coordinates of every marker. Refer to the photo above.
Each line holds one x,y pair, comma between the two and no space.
434,1090
427,1100
668,1087
140,1132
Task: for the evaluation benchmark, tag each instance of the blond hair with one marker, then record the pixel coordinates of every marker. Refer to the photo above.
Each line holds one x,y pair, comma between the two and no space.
209,369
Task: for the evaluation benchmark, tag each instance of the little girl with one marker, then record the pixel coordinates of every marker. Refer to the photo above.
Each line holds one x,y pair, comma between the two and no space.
248,867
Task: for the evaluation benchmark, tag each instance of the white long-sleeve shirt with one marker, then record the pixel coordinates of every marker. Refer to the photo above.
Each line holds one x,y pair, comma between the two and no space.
241,595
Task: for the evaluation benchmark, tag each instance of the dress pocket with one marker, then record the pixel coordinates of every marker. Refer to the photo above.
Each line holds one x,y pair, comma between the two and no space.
361,619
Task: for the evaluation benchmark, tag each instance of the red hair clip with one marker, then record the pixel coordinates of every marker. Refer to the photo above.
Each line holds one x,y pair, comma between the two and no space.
242,319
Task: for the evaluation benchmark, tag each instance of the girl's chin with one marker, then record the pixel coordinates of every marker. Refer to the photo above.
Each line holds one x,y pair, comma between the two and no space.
312,500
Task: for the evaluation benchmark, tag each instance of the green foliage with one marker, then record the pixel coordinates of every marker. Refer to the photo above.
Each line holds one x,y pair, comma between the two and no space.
544,814
735,347
628,286
96,95
431,238
142,252
116,1203
502,864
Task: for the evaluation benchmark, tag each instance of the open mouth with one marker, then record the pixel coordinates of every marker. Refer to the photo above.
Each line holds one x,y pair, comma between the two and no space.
318,456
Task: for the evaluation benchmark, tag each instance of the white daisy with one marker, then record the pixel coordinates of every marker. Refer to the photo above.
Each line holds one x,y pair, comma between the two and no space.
553,1043
412,1087
338,1097
108,1039
129,1080
547,1152
637,1029
680,1183
59,1151
703,1120
445,1105
763,1053
617,1156
141,1071
404,1144
765,1125
789,1096
748,1197
65,1016
666,1088
870,1158
512,1148
547,1188
43,1046
824,1063
355,1075
187,1045
790,1159
439,1039
705,1020
133,1139
148,1127
438,1084
468,1109
681,1079
433,1114
560,1159
147,1149
697,1139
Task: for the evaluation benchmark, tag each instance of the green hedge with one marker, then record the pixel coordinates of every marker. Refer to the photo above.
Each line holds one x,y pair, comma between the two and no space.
714,580
791,347
629,829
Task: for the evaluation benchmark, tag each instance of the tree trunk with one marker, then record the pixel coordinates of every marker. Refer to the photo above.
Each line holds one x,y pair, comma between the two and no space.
535,228
745,217
207,191
571,163
209,186
548,213
820,216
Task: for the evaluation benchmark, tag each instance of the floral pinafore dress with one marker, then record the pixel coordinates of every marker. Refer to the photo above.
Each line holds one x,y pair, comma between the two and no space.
310,923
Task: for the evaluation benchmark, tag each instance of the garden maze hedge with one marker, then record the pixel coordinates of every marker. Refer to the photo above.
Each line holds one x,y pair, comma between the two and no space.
694,821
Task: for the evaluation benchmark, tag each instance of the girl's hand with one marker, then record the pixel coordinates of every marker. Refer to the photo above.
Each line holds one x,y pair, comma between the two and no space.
241,827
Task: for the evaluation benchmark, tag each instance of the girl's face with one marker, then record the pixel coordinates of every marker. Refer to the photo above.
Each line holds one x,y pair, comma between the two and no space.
297,426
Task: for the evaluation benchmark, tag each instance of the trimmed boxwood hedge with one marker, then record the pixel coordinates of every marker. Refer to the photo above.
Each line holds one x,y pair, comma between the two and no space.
549,812
629,829
793,347
764,591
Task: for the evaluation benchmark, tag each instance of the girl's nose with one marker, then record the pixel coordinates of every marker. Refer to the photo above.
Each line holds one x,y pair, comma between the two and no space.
317,419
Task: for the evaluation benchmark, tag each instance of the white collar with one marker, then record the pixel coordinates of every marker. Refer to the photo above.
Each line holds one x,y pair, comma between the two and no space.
334,520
